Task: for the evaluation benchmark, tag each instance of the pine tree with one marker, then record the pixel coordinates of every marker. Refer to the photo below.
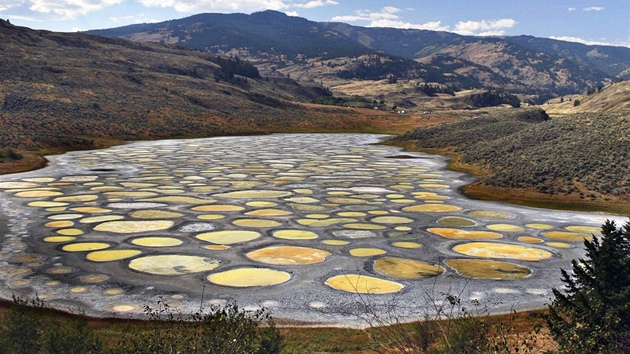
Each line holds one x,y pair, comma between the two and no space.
592,315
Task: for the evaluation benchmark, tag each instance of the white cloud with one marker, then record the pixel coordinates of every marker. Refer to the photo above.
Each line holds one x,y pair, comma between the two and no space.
292,13
594,8
139,18
433,25
349,18
7,4
390,9
484,27
316,3
589,42
194,6
388,17
25,18
70,9
571,9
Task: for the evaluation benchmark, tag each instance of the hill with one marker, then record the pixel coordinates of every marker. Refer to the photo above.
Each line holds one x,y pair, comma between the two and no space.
62,91
336,54
76,89
610,98
523,153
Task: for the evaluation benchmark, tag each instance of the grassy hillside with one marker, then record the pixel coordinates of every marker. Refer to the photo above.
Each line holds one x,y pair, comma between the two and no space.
580,157
77,90
611,98
73,91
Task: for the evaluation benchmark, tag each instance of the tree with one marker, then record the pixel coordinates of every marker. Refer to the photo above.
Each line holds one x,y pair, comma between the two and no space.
592,315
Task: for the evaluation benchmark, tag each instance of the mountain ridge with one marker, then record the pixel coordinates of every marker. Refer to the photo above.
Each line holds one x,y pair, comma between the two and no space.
537,68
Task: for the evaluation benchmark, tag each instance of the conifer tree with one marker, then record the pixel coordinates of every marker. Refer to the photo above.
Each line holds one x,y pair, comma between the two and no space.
592,314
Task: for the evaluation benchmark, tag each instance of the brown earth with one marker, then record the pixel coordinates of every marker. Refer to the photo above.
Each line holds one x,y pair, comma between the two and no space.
612,98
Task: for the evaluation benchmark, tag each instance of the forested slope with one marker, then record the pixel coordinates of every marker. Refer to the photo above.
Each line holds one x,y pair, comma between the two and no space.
584,154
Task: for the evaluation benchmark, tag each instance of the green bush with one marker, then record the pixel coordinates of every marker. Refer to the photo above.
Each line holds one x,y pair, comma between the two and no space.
26,329
9,154
31,327
222,329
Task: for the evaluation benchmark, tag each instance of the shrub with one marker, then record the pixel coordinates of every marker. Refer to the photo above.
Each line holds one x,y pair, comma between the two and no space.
449,327
9,154
26,329
29,326
226,329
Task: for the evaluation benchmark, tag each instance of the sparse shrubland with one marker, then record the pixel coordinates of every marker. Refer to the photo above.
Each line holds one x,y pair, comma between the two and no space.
29,326
584,154
221,330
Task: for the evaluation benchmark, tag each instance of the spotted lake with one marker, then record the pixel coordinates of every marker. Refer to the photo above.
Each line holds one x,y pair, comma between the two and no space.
311,226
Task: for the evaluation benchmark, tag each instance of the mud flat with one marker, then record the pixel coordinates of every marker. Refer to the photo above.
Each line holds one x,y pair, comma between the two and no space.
312,226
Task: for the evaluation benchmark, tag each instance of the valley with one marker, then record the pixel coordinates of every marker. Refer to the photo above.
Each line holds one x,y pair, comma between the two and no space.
303,167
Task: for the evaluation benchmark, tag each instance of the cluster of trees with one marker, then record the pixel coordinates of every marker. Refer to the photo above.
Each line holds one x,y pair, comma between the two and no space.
340,101
235,66
378,67
433,90
493,97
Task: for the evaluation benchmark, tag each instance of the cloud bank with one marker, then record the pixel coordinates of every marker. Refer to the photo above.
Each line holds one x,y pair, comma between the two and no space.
389,17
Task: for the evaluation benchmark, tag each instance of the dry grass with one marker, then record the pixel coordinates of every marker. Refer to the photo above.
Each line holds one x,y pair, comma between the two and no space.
612,98
300,339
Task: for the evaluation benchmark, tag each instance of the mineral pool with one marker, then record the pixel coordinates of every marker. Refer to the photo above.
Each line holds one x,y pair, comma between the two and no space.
310,225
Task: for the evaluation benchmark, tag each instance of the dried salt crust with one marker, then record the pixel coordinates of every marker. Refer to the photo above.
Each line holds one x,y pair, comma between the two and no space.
229,237
400,268
111,255
363,284
288,255
130,227
328,200
487,269
502,250
249,277
457,234
568,236
173,264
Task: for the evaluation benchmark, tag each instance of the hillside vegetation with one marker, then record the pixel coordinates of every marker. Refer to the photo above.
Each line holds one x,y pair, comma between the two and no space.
610,98
338,54
583,155
76,90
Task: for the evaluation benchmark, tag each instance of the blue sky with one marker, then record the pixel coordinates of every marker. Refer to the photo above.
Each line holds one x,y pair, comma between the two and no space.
586,21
